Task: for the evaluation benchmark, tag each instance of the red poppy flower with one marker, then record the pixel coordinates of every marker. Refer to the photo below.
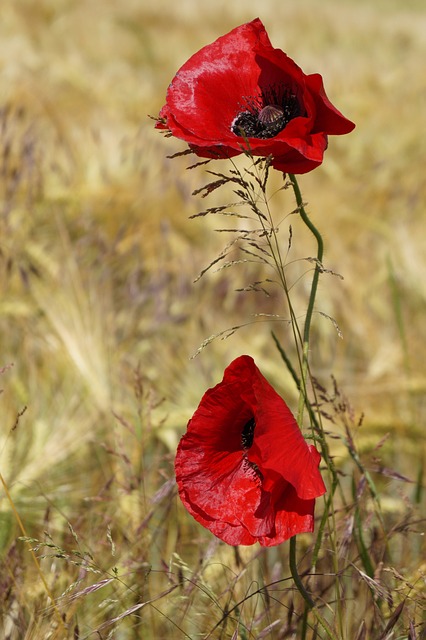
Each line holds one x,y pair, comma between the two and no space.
239,93
243,469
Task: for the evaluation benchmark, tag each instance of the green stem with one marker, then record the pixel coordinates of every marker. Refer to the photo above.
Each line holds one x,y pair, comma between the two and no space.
320,252
314,287
305,595
295,574
303,397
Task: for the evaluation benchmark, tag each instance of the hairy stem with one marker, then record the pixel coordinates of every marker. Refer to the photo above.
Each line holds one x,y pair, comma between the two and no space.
314,287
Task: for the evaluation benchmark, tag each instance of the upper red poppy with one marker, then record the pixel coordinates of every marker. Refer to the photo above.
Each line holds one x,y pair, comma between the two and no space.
243,468
239,93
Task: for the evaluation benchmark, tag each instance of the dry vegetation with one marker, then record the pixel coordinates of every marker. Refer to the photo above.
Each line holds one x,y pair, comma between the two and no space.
99,317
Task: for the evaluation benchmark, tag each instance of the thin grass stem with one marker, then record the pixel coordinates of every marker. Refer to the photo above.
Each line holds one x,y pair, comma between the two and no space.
33,555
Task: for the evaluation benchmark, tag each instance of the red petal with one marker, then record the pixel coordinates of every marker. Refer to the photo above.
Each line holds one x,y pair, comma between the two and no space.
210,469
279,448
207,91
293,516
265,493
329,119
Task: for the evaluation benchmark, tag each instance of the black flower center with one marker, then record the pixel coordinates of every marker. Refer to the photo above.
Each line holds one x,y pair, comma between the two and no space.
267,114
247,434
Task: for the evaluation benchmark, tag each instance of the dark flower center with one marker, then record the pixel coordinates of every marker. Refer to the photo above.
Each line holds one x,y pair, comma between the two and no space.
267,114
247,434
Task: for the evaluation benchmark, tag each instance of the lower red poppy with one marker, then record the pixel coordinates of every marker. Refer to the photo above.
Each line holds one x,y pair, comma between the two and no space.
243,468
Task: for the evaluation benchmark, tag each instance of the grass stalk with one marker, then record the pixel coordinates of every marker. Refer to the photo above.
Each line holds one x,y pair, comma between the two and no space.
33,555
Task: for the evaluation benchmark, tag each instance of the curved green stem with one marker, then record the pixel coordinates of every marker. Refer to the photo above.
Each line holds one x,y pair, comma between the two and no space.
320,252
305,595
295,574
312,296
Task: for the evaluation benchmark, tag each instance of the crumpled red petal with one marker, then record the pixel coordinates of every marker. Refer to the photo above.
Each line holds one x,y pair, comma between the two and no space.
265,493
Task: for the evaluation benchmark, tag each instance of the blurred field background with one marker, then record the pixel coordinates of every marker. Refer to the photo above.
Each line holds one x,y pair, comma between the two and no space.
99,315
